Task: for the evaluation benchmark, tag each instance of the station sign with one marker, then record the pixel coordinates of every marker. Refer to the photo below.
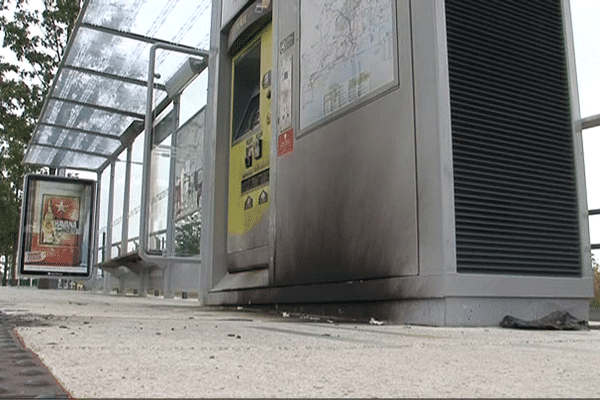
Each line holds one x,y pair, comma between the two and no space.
56,229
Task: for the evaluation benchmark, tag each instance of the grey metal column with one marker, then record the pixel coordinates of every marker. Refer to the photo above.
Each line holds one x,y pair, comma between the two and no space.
213,246
167,281
96,233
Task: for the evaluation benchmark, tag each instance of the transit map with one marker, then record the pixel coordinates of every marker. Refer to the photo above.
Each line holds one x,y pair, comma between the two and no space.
346,53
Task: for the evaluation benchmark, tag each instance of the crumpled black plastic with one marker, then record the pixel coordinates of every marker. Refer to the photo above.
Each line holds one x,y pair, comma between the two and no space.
558,320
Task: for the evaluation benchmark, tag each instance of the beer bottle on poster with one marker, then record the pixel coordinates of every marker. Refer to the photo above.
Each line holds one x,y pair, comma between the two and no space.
48,226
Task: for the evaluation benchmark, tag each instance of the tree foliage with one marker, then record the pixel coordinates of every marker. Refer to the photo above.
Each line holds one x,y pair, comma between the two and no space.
596,271
187,235
35,33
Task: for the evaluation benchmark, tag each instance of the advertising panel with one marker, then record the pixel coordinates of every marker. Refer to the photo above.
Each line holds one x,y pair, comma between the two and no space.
56,226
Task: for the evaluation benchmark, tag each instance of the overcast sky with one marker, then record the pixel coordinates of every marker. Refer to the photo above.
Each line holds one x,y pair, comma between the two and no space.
586,32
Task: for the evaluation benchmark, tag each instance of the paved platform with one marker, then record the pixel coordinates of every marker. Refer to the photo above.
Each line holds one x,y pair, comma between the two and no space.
102,346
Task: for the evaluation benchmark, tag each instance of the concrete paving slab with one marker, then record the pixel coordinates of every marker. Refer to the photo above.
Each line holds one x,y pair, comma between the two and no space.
107,346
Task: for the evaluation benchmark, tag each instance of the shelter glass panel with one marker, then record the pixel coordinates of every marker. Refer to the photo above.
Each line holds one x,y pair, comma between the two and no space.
117,229
180,21
80,117
95,89
193,98
77,140
73,159
595,229
40,155
160,162
591,149
63,158
188,186
106,52
135,193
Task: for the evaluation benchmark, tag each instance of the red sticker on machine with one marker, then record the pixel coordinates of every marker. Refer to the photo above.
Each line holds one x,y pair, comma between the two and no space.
285,143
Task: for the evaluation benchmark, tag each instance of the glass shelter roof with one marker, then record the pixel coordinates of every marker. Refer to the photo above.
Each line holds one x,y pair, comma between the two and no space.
97,102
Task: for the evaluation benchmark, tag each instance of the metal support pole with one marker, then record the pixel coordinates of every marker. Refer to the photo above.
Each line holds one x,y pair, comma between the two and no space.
167,284
122,291
109,222
109,225
144,282
95,236
106,283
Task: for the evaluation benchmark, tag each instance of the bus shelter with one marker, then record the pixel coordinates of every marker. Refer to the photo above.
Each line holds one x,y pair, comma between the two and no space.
94,119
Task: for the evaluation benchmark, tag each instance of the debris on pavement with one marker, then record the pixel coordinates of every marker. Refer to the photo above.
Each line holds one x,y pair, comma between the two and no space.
558,320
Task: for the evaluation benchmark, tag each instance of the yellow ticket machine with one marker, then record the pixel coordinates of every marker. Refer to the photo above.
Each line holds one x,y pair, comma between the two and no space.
250,143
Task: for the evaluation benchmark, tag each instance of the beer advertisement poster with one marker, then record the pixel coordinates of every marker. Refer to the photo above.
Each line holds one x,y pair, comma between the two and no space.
56,226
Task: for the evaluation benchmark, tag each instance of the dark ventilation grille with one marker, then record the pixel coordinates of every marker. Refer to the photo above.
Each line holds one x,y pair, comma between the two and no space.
514,178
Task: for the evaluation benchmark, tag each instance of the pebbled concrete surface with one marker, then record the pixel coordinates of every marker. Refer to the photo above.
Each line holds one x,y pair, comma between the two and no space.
109,346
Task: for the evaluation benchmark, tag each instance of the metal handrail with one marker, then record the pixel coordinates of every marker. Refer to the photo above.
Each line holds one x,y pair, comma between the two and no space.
590,122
